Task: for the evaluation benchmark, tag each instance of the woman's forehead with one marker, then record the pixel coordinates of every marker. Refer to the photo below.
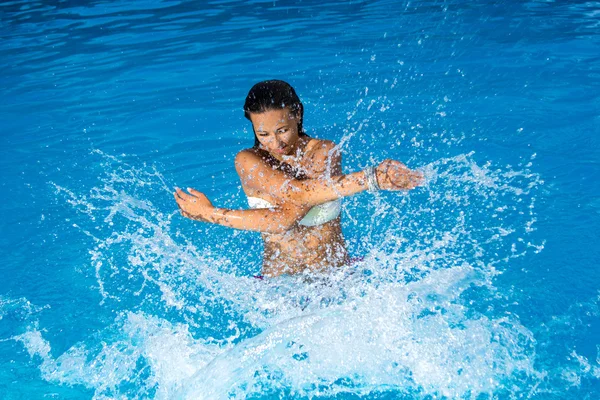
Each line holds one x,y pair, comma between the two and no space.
271,118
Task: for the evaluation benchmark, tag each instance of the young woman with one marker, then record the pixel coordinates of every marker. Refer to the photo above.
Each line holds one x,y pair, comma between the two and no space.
294,185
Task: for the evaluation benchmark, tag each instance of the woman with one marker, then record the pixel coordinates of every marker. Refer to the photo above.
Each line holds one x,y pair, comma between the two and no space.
294,185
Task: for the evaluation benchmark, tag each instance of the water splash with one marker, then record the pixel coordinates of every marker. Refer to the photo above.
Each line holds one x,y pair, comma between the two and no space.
404,319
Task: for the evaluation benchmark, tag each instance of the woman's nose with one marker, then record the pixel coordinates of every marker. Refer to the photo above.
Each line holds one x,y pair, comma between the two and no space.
277,140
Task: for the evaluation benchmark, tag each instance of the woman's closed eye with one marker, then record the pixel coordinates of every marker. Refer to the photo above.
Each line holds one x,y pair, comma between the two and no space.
278,131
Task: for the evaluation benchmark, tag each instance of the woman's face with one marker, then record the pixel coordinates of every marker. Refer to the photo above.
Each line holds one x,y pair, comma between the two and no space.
277,131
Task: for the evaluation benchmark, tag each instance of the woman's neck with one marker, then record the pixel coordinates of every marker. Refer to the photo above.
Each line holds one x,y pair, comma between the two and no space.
291,164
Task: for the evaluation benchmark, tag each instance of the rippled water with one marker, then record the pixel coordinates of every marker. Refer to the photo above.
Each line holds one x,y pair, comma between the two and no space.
483,284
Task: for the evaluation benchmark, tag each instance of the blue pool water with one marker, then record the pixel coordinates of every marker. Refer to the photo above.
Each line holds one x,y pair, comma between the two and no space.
483,284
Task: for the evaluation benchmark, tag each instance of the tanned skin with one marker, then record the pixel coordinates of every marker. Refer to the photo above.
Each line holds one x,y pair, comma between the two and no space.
293,172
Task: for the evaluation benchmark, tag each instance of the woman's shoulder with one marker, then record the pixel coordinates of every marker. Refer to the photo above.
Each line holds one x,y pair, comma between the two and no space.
320,147
322,155
251,153
245,156
251,158
322,150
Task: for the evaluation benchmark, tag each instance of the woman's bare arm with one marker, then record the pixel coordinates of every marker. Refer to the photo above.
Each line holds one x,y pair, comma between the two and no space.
257,174
279,219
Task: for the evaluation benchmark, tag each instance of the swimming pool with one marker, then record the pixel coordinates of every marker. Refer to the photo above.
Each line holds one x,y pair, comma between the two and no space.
483,284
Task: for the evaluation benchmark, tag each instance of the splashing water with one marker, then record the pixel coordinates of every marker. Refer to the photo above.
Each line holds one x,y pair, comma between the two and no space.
420,315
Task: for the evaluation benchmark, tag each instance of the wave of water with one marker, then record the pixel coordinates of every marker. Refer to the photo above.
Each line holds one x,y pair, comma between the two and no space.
420,315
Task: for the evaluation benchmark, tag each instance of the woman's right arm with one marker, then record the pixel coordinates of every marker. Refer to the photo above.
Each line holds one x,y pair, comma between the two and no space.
279,219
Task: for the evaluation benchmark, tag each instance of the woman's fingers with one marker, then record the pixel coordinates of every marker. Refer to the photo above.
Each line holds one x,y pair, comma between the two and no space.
193,195
200,198
196,193
418,178
405,179
179,202
185,196
178,199
393,175
181,194
193,204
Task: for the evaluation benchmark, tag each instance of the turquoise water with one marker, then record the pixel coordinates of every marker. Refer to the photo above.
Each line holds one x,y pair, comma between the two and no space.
483,284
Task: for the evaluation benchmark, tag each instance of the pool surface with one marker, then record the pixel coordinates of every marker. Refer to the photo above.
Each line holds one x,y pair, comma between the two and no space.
483,284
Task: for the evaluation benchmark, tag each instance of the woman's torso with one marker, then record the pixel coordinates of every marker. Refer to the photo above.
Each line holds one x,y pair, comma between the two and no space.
302,247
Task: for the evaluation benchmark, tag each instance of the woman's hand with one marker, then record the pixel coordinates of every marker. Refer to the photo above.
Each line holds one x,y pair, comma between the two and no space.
393,175
194,205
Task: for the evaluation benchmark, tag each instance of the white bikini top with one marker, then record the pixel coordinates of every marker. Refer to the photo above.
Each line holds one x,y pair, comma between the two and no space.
317,215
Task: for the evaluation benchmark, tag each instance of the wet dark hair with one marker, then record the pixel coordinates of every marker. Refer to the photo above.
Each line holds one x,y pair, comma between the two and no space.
273,95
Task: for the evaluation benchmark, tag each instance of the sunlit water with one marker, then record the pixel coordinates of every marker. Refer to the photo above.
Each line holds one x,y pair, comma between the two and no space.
481,284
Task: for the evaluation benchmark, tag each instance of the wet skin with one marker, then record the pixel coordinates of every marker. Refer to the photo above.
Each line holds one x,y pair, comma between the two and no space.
300,157
293,172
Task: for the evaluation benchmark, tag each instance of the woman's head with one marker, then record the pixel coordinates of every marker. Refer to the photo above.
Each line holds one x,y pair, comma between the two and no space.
273,95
